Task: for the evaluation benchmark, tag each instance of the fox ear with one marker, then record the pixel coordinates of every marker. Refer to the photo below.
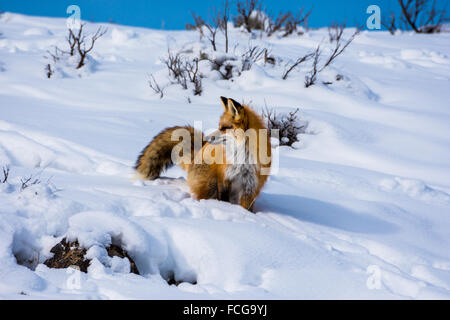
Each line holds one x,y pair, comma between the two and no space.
234,107
224,103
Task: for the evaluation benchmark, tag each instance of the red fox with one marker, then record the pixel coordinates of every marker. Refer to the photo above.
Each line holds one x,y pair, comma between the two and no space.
216,169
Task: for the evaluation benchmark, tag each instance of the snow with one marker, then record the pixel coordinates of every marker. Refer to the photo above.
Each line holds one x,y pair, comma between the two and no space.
359,208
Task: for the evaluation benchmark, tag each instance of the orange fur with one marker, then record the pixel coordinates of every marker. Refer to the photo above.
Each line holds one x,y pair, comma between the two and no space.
206,178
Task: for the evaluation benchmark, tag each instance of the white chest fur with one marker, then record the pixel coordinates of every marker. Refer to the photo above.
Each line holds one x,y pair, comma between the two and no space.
242,171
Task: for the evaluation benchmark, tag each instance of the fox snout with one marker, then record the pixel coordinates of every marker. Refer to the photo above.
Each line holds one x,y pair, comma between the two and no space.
216,137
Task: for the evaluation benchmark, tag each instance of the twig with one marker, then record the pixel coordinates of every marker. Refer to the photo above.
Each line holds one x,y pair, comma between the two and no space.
296,63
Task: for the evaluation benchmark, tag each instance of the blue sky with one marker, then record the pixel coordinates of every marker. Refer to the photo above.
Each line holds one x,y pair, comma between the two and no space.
174,14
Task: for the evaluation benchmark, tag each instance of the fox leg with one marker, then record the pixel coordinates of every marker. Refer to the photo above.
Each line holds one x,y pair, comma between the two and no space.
238,196
202,182
247,202
223,192
206,189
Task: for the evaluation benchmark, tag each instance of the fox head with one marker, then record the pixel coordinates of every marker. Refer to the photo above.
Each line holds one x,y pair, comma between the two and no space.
234,116
243,125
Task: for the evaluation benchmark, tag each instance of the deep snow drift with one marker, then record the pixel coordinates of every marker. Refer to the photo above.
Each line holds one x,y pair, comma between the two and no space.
359,209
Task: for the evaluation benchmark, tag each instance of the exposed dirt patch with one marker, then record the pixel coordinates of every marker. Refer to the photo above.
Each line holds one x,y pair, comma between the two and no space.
116,251
66,254
171,281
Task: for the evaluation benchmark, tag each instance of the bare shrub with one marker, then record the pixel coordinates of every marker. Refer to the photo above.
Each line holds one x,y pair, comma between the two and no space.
291,24
311,78
290,67
212,34
154,85
390,23
48,70
268,58
421,16
224,66
27,182
5,174
289,125
251,56
250,15
174,64
253,17
54,57
72,41
191,68
336,32
182,71
276,24
77,44
201,25
286,22
197,23
230,66
80,41
221,19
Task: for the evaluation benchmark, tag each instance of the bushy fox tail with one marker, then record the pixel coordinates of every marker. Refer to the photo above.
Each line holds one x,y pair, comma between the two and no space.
157,155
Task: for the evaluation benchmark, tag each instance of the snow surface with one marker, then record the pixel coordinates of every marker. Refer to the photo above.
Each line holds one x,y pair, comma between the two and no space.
359,209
